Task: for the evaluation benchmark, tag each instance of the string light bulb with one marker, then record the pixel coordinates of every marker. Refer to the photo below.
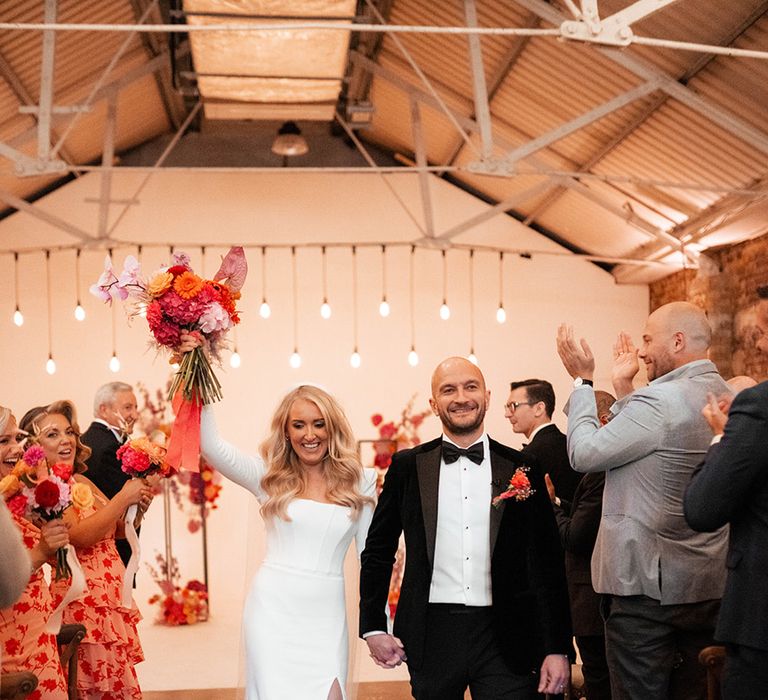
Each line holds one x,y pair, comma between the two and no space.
472,357
50,365
413,357
445,311
18,317
325,308
79,310
264,310
234,360
355,360
295,360
384,305
501,314
114,363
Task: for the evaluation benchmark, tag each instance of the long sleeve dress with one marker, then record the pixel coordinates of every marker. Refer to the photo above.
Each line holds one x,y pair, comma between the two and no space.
24,643
295,622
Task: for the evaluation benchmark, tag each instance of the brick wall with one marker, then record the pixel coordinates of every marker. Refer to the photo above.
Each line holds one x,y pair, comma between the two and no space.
724,286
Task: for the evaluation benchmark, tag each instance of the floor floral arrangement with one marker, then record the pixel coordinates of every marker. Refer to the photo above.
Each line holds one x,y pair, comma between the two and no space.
177,605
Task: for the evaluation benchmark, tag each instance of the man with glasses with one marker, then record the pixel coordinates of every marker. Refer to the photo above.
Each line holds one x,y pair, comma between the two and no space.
529,410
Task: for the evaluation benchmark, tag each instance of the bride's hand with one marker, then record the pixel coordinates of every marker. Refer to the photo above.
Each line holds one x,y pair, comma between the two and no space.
189,341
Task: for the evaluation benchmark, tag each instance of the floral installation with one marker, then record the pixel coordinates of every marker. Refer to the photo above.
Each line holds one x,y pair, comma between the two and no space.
519,488
30,495
394,436
141,457
176,300
178,605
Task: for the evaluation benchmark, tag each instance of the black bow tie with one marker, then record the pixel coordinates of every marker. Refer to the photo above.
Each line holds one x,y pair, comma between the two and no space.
451,453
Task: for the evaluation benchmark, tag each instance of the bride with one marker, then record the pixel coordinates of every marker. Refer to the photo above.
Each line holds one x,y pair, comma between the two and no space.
315,498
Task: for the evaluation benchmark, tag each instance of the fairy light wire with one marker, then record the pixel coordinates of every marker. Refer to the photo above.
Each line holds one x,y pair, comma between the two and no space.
295,301
49,304
471,302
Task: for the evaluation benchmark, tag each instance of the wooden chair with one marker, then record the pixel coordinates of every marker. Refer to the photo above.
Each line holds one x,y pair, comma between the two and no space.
17,686
68,640
713,659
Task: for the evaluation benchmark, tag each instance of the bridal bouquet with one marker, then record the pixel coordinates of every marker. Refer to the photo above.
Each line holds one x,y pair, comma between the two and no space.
176,300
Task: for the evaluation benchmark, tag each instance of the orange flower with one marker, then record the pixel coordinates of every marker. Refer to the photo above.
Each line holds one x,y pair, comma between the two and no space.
159,284
188,285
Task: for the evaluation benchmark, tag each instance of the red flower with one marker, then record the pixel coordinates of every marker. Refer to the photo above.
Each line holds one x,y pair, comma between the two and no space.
387,431
177,269
18,505
62,470
47,494
376,418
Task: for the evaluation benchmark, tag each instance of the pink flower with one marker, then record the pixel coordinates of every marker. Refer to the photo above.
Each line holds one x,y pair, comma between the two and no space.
214,318
133,461
103,287
129,276
33,455
183,311
182,259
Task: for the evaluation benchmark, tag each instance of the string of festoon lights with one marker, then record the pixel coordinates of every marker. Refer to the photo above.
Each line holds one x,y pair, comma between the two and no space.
265,312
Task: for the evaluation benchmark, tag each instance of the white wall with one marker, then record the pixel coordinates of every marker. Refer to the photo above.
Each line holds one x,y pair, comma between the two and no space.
220,209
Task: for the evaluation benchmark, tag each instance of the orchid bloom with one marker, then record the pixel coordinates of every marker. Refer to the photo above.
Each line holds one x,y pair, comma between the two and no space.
183,260
103,287
130,274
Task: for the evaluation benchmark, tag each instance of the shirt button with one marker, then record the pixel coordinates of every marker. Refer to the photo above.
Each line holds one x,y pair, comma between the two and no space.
465,497
467,527
467,558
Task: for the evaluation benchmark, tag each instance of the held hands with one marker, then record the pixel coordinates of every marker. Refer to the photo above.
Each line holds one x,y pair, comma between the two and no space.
577,357
555,674
716,412
386,650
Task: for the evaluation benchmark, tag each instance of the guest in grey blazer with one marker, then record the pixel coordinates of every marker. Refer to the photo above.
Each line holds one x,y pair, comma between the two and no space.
731,486
662,581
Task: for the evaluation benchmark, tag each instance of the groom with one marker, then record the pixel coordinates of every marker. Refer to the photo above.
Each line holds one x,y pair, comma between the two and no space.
483,601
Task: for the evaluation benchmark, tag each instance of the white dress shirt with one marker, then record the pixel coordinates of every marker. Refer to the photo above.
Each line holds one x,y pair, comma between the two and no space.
119,434
462,566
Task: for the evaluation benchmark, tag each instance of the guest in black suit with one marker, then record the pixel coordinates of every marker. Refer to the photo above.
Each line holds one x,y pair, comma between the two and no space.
529,409
578,522
731,486
483,601
115,412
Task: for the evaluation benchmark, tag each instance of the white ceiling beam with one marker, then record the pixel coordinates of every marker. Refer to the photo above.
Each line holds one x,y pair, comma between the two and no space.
421,161
479,87
46,84
107,156
646,71
22,205
581,121
635,12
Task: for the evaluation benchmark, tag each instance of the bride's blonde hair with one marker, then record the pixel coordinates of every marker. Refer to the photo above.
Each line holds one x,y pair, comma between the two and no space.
285,478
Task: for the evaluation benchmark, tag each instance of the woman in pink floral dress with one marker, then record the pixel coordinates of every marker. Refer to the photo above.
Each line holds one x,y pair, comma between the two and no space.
24,643
111,648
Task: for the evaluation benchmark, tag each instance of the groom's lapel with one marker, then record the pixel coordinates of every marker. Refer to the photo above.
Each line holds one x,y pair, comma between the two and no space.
428,471
501,473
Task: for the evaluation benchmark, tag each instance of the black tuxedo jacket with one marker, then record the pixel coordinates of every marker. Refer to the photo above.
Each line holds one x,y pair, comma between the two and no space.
104,470
550,448
578,523
731,486
530,600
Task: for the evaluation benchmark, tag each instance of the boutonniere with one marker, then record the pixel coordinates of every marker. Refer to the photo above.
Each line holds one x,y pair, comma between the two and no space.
519,488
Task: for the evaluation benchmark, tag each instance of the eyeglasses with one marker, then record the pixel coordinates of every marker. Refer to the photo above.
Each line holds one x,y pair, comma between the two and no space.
512,406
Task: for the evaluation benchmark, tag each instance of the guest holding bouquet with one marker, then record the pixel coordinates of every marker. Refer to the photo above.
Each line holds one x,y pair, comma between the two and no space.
25,644
111,648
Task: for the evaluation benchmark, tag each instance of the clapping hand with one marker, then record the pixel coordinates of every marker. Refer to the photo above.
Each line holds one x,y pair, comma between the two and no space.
715,412
625,365
577,357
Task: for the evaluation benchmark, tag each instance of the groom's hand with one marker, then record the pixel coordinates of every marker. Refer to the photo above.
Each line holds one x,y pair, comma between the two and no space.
387,651
555,674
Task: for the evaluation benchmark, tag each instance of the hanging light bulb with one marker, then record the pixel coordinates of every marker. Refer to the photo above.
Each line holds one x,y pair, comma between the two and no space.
445,311
114,363
413,357
355,360
18,317
234,360
472,357
325,310
50,366
295,360
175,366
501,315
79,310
384,306
264,310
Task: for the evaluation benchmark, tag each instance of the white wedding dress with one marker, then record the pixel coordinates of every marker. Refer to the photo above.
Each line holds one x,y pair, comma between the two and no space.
295,622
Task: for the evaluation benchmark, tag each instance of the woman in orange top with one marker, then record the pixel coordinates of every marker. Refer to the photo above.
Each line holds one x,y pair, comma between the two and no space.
111,648
24,643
